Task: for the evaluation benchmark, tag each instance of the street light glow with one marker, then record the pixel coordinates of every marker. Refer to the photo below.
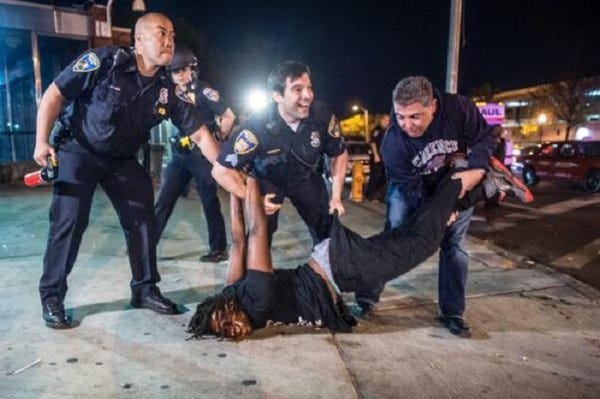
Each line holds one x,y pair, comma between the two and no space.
257,100
542,118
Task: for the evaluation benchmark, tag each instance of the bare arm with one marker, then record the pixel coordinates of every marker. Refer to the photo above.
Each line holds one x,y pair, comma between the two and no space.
48,110
229,179
226,123
237,261
206,142
259,252
338,174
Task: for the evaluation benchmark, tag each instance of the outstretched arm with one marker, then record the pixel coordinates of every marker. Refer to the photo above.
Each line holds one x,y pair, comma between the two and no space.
259,253
338,173
237,261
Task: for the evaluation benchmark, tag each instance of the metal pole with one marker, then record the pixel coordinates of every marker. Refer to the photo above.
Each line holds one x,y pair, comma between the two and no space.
37,73
366,124
453,46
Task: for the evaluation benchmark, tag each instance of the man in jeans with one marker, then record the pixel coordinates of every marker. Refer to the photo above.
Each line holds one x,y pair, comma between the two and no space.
430,133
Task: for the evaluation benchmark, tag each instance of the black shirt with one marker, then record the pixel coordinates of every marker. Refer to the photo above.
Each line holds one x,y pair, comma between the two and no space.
269,148
291,296
112,107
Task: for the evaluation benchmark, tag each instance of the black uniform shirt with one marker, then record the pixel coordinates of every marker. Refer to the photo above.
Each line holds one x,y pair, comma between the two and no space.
204,97
113,107
270,149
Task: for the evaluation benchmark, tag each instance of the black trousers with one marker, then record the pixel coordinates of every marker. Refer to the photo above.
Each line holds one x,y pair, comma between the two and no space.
129,189
311,200
376,185
179,172
364,265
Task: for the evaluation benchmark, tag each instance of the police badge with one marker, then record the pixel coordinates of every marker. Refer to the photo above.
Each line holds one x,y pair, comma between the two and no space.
211,94
245,143
87,63
315,139
334,127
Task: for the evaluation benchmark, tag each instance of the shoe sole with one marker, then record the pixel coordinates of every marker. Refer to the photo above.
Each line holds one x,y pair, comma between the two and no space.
156,310
527,195
59,326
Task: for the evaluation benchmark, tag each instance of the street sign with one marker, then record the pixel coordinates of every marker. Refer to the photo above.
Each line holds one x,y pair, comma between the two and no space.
492,112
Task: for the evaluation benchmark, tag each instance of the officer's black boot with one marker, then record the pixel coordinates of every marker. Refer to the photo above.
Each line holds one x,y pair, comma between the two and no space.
54,316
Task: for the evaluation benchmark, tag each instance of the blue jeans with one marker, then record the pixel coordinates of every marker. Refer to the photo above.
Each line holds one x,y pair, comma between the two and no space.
453,261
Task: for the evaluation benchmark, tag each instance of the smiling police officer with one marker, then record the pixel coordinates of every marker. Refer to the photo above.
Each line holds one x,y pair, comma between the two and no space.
186,164
283,148
115,97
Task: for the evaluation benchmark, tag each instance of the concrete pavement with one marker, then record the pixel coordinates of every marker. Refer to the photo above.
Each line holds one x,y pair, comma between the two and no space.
536,332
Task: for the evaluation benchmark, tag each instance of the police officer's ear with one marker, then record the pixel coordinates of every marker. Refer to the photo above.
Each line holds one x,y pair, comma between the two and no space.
277,96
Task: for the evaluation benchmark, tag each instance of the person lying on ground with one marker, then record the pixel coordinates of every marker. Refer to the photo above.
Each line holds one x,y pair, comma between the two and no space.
346,262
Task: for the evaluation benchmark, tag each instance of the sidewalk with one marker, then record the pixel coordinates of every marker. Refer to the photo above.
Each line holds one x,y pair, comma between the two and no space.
536,333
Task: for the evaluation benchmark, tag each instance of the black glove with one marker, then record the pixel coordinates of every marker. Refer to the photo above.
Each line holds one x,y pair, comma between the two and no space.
181,144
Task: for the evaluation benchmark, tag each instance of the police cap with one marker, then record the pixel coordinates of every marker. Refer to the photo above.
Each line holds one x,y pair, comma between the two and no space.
181,59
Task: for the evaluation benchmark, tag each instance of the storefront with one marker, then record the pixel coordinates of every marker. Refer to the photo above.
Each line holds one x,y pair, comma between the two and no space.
36,42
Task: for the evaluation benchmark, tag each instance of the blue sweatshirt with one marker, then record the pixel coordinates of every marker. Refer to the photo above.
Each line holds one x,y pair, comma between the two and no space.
417,164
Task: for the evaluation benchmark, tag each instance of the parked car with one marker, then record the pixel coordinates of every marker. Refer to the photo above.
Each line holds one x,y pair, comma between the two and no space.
358,151
563,160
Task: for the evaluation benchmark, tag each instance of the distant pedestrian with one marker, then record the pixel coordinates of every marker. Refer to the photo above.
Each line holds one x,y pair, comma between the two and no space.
377,180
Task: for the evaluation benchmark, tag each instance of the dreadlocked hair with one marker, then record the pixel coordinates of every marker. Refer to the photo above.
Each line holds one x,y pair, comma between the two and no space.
225,301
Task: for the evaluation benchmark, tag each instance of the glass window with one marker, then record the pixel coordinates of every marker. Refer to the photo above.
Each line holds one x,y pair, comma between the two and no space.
17,86
567,150
17,96
55,54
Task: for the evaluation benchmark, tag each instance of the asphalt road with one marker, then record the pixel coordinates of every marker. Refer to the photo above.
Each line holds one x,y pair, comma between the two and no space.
560,229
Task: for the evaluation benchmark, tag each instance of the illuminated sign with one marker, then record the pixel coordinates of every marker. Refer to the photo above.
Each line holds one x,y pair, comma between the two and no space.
492,112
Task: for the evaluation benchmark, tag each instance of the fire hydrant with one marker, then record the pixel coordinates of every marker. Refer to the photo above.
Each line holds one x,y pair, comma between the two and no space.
358,180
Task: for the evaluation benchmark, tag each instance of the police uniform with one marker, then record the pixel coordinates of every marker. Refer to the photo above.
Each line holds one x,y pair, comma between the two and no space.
111,108
193,164
287,162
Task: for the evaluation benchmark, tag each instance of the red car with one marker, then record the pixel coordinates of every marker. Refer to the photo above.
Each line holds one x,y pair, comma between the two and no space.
564,160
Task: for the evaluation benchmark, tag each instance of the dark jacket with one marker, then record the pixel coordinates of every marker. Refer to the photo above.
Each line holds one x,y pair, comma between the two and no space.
417,164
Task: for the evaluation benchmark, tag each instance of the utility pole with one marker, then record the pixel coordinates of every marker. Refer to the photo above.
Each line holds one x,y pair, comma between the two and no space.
453,46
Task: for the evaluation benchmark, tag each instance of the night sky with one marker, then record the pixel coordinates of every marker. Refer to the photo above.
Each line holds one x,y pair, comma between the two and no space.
357,51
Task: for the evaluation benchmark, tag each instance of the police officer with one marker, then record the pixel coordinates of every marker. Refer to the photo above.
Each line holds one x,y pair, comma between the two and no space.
283,148
186,164
115,97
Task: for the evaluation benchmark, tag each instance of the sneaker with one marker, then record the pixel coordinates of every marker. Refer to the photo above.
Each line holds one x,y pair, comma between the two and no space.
499,180
214,256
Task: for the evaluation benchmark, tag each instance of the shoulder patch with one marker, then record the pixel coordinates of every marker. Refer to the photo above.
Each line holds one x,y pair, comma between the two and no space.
187,97
87,63
334,127
211,94
245,143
